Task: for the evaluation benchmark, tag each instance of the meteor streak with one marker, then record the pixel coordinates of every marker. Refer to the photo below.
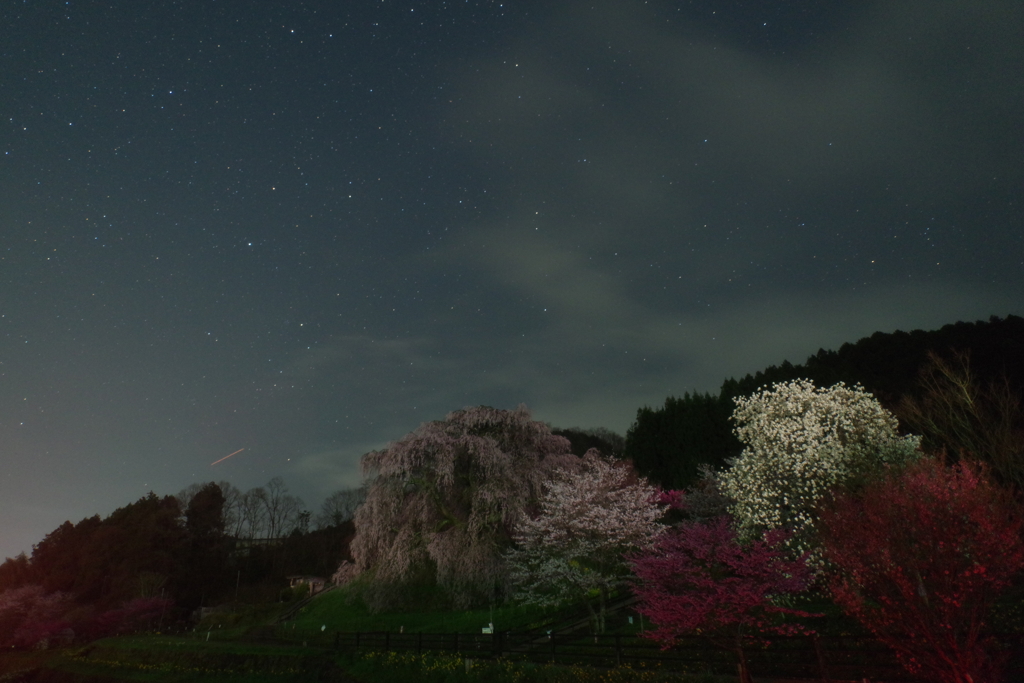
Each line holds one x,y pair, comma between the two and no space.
227,456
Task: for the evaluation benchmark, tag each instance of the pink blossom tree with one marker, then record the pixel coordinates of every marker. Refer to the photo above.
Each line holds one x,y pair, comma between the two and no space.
590,516
444,498
698,578
29,615
918,557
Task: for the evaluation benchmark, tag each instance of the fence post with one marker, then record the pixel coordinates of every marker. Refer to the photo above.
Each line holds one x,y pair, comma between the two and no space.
456,641
419,642
821,659
618,650
357,640
387,641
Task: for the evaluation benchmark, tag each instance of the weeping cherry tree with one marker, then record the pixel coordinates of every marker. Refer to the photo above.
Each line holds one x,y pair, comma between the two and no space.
442,501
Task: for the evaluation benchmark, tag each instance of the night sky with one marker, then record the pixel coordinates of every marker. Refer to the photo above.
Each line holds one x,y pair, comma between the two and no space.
303,228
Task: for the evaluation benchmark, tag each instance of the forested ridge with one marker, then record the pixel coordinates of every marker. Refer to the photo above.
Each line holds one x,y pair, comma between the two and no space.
176,548
669,443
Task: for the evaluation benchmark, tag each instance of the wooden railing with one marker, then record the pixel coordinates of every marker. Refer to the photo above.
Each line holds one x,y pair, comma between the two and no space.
827,658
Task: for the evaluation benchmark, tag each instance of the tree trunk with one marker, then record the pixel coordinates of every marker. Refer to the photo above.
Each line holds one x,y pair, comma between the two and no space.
594,617
742,666
741,657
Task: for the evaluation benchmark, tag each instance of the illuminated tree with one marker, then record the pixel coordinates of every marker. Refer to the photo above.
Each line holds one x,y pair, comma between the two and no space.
800,443
444,498
589,517
919,557
698,578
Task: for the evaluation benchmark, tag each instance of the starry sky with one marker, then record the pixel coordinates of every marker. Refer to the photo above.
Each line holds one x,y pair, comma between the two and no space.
303,228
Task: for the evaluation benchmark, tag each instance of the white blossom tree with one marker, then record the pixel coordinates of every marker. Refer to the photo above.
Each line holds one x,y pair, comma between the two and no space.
800,443
589,518
443,501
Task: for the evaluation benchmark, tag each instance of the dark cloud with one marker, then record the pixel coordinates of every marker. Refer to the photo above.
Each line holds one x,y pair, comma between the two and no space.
220,233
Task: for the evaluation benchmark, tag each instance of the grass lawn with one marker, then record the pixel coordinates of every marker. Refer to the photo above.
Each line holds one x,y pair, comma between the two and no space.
164,659
226,647
167,659
338,613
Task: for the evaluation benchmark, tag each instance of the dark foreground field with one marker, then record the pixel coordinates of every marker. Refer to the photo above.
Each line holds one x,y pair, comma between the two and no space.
157,659
334,639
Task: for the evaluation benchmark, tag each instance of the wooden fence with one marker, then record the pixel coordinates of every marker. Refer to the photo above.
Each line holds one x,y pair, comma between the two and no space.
826,658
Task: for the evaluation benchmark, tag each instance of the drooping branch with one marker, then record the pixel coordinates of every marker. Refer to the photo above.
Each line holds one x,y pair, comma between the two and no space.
444,498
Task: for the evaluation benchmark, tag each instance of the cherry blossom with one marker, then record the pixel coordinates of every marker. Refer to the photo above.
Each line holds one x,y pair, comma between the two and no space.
444,498
589,517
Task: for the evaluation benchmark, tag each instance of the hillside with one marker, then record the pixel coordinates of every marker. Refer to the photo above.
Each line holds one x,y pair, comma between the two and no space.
668,444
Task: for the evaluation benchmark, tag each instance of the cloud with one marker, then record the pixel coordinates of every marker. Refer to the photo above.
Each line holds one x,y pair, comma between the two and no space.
670,209
638,100
608,120
332,469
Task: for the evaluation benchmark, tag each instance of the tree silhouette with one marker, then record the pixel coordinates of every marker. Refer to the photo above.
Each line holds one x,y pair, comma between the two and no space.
958,414
670,444
204,572
340,507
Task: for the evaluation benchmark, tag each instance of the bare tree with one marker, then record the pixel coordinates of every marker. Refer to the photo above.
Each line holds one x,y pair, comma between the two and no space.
253,514
186,495
294,516
281,509
233,519
955,413
340,507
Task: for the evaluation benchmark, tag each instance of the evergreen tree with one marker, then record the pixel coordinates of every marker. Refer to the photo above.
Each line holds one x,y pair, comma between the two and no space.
668,445
205,572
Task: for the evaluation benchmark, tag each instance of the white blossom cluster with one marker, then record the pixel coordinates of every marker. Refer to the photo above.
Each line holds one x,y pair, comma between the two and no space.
800,443
590,517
